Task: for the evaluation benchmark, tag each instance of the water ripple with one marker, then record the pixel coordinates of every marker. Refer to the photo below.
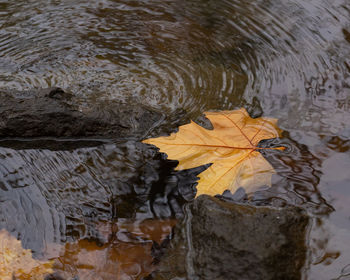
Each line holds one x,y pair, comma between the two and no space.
284,59
175,54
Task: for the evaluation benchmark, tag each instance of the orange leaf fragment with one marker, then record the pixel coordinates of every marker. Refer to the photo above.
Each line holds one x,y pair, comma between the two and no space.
231,147
17,263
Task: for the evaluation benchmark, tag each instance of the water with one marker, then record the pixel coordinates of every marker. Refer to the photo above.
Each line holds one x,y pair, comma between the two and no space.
289,60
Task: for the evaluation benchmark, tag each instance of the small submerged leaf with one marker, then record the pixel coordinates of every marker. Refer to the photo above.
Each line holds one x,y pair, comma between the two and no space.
17,263
231,147
126,255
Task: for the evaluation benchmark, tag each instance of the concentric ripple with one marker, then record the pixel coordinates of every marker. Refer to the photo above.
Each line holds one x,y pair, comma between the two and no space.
194,55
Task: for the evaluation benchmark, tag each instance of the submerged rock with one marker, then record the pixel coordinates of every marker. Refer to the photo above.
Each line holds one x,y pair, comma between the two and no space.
223,240
55,113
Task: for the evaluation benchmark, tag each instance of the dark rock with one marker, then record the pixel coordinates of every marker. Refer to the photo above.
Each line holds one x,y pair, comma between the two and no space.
55,113
223,240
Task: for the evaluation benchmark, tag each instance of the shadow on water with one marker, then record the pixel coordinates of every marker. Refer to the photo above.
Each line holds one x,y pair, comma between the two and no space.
74,189
61,197
288,60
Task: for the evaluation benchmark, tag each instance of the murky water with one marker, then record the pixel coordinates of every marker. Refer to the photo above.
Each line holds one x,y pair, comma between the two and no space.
289,60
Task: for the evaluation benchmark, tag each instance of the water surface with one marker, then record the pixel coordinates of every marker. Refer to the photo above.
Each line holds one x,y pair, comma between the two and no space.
289,60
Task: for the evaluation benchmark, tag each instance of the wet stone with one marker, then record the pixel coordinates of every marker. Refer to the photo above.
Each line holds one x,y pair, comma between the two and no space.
224,240
52,112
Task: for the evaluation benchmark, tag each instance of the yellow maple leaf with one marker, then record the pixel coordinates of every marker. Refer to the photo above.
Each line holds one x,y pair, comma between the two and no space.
231,147
17,263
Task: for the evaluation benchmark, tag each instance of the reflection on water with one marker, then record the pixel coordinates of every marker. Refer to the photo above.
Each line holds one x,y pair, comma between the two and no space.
289,60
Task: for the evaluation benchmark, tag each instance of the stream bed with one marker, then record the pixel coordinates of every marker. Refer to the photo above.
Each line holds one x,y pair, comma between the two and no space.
288,60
